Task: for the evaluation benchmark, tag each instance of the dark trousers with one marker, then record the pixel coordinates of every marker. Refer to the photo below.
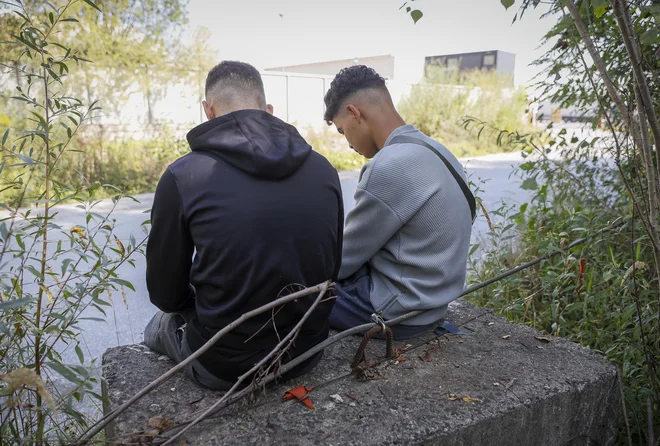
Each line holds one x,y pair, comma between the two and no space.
353,307
166,334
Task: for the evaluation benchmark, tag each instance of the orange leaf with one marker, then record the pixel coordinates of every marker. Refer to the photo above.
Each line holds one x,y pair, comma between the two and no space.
300,393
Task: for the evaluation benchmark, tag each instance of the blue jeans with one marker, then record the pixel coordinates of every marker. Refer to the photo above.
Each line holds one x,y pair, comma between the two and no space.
353,307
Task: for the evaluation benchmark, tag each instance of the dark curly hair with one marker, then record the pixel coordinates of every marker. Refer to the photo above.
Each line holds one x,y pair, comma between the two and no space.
237,78
348,81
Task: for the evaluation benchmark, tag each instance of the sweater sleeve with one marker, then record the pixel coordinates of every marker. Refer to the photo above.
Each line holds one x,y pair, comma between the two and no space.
369,225
169,250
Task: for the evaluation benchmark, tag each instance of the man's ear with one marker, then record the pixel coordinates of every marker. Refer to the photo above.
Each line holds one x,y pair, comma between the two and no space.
269,108
353,110
208,109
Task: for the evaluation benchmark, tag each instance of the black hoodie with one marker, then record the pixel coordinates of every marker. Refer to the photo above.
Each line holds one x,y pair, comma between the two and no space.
261,211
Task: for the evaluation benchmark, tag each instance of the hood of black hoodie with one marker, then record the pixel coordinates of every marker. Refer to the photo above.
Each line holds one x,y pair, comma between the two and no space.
253,141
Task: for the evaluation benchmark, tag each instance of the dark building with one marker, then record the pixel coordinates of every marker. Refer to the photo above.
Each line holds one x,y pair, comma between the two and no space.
502,62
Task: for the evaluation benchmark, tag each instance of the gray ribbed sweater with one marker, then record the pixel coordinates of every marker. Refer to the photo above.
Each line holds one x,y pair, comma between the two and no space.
412,224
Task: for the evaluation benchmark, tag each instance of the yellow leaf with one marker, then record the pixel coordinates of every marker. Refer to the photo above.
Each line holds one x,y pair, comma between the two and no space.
469,399
49,295
77,230
120,245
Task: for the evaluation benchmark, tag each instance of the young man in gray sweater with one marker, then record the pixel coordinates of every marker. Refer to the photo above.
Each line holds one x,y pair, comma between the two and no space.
406,241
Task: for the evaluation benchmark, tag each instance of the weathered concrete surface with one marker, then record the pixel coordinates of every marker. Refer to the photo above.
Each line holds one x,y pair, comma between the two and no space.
530,392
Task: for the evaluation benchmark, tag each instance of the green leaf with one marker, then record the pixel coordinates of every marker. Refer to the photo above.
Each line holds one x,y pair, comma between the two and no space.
529,184
599,3
416,15
600,11
90,3
5,136
6,391
94,319
64,371
15,303
529,165
123,282
507,3
19,242
79,352
649,37
65,265
34,272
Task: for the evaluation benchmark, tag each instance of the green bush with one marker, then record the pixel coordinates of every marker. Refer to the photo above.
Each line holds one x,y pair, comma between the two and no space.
601,294
438,105
50,274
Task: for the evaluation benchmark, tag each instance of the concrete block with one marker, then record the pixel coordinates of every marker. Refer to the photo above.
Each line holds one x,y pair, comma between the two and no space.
502,384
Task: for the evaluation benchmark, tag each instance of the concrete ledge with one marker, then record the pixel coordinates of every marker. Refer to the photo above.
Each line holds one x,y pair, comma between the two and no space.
530,392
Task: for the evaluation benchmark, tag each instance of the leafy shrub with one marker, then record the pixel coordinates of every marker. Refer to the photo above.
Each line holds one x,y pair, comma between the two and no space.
601,294
50,275
438,105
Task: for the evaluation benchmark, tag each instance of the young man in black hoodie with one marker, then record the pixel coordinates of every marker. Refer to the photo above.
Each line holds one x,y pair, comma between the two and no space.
260,211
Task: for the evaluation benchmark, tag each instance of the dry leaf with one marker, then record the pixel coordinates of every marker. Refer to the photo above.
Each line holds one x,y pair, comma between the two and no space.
49,295
469,399
453,398
397,351
300,393
506,336
120,245
160,423
77,230
19,378
426,357
542,339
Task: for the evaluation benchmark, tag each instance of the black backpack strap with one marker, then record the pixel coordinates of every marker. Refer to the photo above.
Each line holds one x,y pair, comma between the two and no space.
466,191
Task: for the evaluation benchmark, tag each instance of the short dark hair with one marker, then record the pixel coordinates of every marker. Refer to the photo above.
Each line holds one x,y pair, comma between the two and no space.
348,81
235,79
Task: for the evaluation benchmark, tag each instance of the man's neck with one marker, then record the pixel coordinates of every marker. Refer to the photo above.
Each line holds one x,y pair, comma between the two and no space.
390,123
